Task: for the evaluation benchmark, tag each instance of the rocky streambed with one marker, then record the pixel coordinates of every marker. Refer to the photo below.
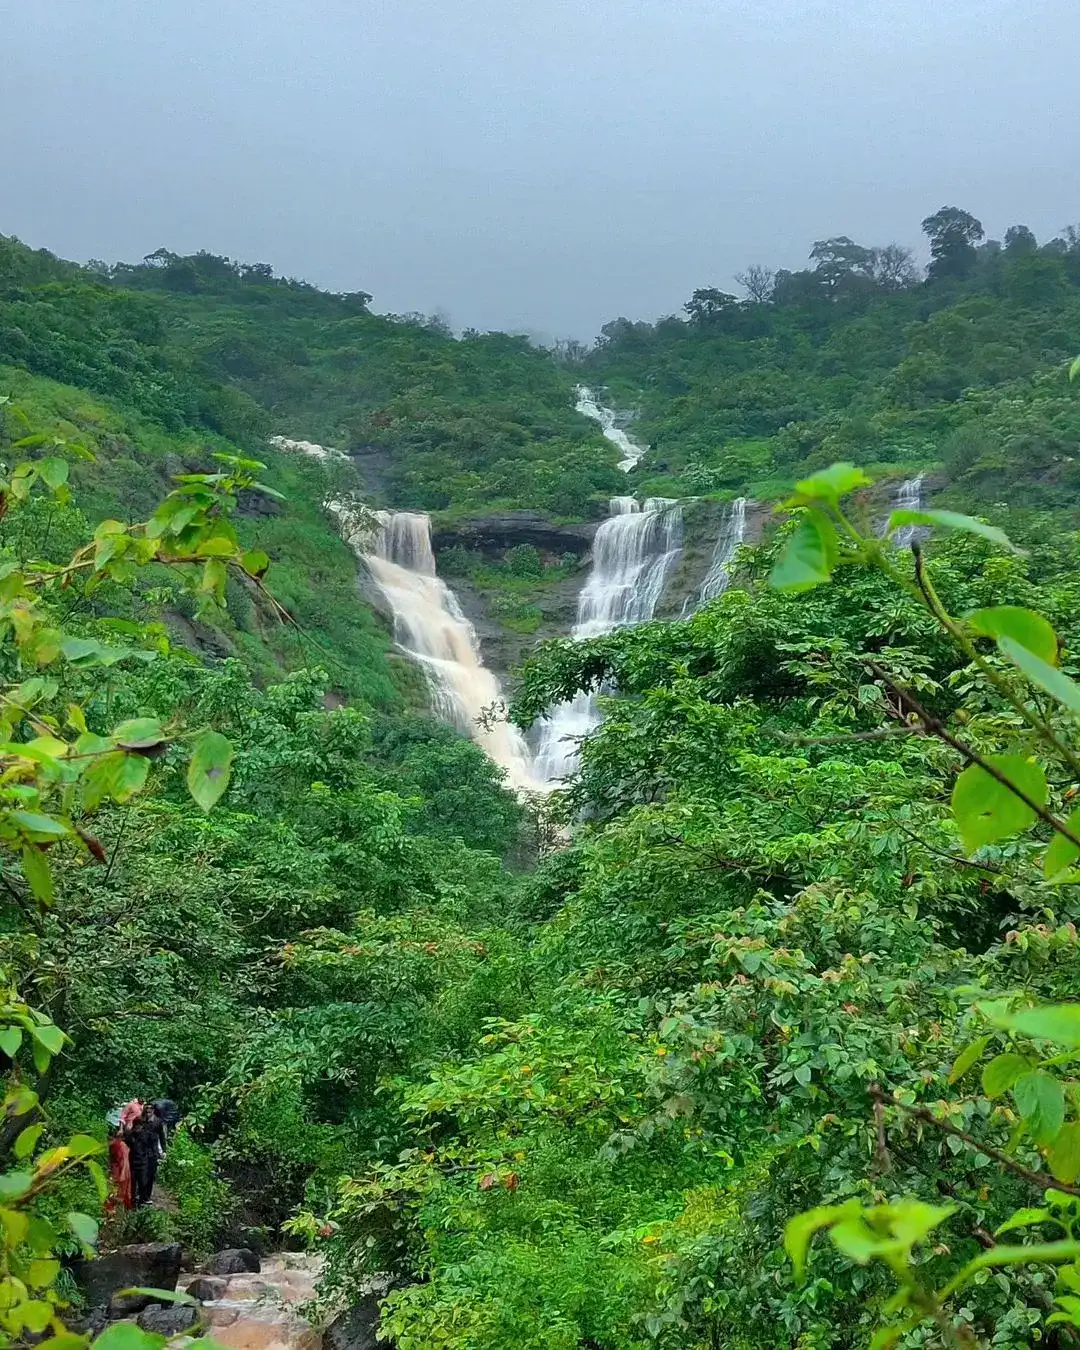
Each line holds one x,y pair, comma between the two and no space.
239,1299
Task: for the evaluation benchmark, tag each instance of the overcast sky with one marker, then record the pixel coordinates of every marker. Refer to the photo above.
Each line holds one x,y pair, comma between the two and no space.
539,165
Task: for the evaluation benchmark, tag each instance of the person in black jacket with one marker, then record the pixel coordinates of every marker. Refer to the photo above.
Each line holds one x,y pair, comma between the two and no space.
146,1141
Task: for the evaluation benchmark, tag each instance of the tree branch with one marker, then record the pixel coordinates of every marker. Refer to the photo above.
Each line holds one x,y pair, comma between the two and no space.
937,728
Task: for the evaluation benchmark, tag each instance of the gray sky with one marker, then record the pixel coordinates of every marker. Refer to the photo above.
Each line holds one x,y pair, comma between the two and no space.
532,164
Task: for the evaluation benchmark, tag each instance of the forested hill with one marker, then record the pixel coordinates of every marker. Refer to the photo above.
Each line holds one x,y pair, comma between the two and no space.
764,1030
863,357
210,345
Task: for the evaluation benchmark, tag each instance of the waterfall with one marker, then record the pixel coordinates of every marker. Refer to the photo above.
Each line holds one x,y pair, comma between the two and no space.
909,497
718,578
587,405
430,627
634,552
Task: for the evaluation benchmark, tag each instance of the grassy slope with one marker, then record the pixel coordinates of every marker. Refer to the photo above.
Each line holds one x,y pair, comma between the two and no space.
313,575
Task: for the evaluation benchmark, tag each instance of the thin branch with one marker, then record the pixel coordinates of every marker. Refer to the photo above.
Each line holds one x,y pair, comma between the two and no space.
881,734
1043,1180
938,610
944,853
938,729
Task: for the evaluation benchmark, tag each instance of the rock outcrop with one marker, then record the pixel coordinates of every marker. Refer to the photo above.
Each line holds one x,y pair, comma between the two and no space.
493,534
153,1265
232,1261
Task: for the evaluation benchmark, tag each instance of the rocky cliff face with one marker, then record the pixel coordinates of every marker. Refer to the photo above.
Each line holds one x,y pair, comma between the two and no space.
493,535
552,600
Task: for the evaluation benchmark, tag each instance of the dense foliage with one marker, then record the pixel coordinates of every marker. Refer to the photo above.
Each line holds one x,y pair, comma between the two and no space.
857,358
765,1044
201,343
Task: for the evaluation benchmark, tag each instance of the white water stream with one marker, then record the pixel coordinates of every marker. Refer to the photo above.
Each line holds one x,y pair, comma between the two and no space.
430,627
634,552
588,406
718,577
909,497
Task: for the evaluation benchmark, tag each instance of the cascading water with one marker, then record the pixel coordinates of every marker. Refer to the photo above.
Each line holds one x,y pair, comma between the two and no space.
718,577
633,554
909,497
429,626
588,406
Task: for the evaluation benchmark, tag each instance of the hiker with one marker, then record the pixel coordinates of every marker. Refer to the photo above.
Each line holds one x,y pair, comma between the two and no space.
145,1138
119,1170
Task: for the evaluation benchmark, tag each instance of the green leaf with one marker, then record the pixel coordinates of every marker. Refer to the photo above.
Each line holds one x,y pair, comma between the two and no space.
831,484
35,868
210,768
128,775
1047,677
39,828
858,1242
140,733
802,1227
84,1145
85,652
1040,1099
1074,369
27,1140
1063,1154
16,1225
10,1040
1057,1022
217,546
1053,1253
967,1057
84,1227
951,520
1002,1072
42,1272
127,1336
1024,626
1024,1218
809,556
214,578
985,810
35,1314
160,1295
913,1220
14,1185
100,1180
255,563
54,471
1061,852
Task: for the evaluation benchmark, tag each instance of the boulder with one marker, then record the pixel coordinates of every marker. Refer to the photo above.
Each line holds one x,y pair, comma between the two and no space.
152,1265
127,1305
232,1261
355,1328
168,1320
95,1321
207,1289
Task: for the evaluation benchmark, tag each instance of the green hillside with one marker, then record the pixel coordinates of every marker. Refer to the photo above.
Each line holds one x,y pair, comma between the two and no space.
764,1031
962,373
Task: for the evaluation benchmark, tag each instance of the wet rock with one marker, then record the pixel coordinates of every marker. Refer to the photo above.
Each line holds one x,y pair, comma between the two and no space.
153,1265
170,1320
232,1261
125,1305
207,1289
355,1328
492,535
96,1320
